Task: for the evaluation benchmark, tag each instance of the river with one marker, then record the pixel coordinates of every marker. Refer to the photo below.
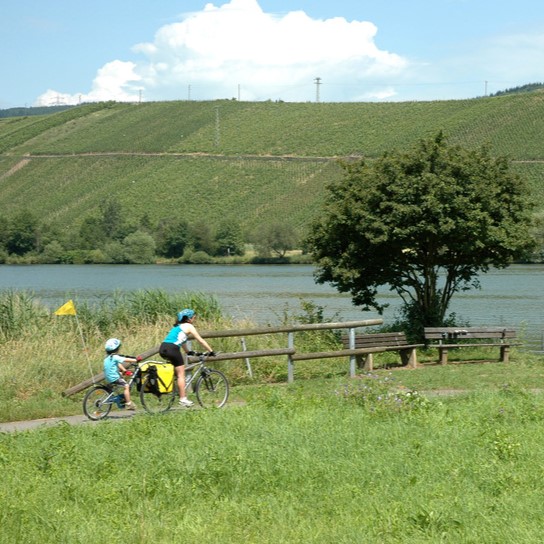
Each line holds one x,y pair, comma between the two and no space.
262,293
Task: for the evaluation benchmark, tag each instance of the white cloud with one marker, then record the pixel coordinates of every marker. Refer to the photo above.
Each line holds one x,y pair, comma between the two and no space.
114,81
235,49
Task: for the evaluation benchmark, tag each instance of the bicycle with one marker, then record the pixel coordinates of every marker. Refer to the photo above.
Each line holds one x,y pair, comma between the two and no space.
210,386
100,399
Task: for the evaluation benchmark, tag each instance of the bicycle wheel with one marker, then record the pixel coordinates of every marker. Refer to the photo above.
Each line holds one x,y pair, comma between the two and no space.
155,403
94,405
212,388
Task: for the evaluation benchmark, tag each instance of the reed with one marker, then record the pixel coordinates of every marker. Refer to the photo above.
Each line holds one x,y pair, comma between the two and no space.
43,354
19,312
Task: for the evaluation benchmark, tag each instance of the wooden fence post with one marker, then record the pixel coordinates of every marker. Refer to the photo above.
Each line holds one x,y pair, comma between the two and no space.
290,364
352,358
248,363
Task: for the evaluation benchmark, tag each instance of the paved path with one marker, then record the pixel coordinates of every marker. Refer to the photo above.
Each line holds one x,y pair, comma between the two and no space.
48,422
116,415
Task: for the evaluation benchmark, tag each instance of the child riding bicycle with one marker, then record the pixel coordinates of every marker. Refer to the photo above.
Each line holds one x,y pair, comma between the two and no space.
114,367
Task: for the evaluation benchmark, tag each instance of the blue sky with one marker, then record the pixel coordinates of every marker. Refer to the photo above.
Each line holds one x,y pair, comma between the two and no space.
72,51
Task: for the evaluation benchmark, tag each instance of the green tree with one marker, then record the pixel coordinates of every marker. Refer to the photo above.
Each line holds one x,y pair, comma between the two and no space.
4,232
425,223
114,252
139,248
274,238
23,234
91,233
113,221
228,240
53,253
171,237
201,237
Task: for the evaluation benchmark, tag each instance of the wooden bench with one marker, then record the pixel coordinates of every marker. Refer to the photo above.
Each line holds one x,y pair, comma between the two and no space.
446,338
365,345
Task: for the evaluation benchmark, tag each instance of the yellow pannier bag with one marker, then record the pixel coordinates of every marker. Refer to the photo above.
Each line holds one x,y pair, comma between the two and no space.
162,376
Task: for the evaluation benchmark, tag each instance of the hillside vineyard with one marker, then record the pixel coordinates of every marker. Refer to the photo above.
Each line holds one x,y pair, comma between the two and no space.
233,162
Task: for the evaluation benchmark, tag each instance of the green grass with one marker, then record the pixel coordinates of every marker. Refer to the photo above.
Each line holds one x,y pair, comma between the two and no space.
289,466
381,458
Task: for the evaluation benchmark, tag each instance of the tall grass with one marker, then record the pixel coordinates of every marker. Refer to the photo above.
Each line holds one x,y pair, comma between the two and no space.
19,312
289,466
42,354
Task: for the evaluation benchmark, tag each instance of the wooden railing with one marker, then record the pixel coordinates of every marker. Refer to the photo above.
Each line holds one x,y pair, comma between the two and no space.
289,351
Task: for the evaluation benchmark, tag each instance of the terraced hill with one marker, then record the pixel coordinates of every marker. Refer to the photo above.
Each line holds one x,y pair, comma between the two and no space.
236,161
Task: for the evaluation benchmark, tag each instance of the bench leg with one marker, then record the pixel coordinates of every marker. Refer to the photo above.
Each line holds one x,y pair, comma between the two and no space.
409,358
369,362
359,363
443,355
505,354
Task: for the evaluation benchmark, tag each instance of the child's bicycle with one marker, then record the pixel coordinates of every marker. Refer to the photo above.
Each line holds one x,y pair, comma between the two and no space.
210,386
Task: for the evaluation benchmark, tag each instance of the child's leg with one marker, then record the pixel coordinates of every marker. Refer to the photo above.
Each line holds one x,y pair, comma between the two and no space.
126,392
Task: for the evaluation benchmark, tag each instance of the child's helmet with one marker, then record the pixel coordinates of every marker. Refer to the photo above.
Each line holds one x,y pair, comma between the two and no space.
188,313
112,345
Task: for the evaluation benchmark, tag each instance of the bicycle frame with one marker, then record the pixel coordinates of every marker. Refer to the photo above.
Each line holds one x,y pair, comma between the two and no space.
210,385
113,395
191,375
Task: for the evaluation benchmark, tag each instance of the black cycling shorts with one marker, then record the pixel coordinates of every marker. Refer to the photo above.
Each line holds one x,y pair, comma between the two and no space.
172,353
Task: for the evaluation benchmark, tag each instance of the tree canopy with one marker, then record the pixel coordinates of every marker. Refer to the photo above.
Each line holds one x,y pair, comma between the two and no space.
424,223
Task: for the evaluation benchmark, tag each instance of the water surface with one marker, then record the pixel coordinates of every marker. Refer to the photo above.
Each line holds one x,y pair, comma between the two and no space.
261,293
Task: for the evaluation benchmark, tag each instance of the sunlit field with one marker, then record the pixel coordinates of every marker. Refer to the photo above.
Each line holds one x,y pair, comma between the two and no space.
437,454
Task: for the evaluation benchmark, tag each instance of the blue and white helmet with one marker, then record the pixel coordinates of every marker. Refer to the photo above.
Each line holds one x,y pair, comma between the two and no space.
112,345
188,313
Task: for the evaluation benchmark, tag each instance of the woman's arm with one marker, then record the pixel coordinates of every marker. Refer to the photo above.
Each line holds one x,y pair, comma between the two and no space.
194,333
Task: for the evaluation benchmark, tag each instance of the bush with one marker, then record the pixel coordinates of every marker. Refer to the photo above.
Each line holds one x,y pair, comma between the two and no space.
380,395
198,257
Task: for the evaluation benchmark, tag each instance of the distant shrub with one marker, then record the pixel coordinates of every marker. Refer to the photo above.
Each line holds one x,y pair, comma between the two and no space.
381,395
198,257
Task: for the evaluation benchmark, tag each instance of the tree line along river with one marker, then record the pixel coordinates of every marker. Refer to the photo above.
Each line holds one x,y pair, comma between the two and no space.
262,293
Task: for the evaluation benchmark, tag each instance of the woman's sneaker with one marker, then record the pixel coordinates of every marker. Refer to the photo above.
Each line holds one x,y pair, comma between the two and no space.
186,402
130,406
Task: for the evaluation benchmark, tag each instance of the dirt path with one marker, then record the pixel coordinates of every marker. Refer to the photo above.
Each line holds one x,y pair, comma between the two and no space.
14,169
48,422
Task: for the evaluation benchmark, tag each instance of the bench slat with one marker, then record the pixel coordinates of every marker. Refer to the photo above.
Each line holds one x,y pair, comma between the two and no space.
370,343
445,338
454,333
371,340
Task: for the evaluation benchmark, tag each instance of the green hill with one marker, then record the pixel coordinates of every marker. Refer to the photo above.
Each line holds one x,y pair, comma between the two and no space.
243,162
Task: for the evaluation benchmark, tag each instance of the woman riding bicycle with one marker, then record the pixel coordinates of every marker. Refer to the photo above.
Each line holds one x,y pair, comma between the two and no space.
170,348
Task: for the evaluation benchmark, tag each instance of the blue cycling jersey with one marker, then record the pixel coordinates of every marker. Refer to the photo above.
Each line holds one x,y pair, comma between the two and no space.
176,335
111,368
